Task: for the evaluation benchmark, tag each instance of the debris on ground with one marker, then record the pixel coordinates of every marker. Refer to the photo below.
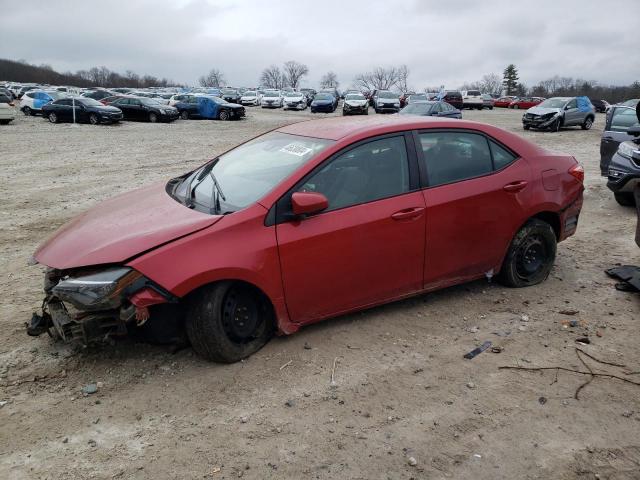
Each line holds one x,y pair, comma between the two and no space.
90,389
477,351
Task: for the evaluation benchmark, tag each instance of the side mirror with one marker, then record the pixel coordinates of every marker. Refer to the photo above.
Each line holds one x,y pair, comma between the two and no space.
307,203
567,107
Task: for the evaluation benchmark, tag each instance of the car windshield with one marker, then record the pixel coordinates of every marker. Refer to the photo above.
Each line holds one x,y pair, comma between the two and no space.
473,92
249,94
552,102
631,103
292,94
387,95
152,102
271,94
248,172
89,102
418,108
323,96
229,92
355,96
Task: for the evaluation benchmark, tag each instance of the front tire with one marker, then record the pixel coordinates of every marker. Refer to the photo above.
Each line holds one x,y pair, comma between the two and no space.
229,321
530,256
184,115
27,111
526,127
625,199
224,115
153,118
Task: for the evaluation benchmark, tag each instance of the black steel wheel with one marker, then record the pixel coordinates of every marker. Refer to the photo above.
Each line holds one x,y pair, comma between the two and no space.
228,321
531,255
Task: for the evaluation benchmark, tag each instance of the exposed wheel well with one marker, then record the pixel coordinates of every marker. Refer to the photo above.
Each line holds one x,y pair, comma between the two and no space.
552,219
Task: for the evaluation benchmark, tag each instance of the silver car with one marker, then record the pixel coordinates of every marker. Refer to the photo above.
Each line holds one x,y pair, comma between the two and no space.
557,112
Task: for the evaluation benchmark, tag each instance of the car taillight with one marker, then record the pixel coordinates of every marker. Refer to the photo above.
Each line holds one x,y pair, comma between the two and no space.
577,171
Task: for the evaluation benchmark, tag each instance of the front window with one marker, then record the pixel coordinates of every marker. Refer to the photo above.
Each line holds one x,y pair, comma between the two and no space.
368,172
151,102
623,119
248,172
553,103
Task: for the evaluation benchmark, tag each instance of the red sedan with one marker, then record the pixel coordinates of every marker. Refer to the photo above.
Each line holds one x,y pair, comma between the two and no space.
525,102
503,102
310,221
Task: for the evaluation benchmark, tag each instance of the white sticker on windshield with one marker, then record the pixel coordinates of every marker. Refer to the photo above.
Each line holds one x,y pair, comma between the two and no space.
296,149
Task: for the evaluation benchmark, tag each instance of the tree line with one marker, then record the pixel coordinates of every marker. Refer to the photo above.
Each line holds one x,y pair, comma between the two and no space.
555,86
21,71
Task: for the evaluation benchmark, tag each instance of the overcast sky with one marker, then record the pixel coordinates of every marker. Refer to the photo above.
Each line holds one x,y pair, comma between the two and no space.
442,42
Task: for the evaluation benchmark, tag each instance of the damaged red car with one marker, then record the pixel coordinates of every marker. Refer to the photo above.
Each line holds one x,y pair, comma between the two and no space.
307,222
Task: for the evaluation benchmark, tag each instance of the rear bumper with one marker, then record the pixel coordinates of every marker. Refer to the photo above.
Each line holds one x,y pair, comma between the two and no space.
569,216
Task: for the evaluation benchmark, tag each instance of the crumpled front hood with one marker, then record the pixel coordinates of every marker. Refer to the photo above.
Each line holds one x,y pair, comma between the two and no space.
120,228
542,110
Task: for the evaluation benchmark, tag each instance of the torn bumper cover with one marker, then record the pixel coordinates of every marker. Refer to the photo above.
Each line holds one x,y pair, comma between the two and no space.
92,306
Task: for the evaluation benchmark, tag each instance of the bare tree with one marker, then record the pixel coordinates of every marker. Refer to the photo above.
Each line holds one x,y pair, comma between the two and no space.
329,80
272,77
380,78
491,83
215,79
403,79
294,71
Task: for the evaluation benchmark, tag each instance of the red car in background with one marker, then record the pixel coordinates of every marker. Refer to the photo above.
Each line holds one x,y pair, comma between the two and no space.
310,221
525,102
503,102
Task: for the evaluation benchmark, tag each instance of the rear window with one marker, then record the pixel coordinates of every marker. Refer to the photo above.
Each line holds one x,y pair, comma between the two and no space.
473,92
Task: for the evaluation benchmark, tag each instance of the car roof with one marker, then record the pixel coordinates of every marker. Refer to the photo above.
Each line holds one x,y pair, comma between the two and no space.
337,128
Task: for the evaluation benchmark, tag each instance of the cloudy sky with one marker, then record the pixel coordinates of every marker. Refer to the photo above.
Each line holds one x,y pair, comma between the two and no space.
445,42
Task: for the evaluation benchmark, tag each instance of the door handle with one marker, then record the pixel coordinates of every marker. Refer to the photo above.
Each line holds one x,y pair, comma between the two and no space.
514,187
408,213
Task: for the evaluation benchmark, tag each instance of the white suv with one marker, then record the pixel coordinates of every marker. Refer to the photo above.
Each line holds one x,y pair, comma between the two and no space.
33,100
472,99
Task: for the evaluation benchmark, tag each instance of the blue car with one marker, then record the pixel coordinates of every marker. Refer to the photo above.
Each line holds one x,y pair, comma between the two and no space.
323,102
431,109
208,106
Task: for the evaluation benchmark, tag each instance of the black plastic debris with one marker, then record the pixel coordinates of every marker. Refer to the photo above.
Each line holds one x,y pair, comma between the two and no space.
630,276
477,351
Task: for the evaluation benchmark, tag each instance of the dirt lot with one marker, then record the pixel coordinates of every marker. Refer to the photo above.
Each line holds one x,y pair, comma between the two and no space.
403,389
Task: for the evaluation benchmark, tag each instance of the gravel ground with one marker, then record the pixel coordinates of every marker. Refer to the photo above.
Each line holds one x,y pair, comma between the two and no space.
405,404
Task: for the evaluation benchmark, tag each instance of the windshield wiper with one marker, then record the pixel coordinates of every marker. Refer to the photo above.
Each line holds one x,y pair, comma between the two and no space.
216,193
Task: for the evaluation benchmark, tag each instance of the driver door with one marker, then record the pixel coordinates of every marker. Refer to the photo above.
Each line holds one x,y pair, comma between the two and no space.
368,246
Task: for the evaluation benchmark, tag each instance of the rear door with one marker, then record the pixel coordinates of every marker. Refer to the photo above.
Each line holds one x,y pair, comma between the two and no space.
619,120
476,189
63,109
368,245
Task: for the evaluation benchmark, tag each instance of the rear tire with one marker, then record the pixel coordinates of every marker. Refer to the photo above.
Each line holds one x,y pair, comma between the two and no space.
588,123
625,199
526,127
153,118
53,118
228,321
516,107
93,119
530,256
184,115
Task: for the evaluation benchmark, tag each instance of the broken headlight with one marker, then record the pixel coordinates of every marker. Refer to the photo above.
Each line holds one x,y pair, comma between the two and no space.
96,291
